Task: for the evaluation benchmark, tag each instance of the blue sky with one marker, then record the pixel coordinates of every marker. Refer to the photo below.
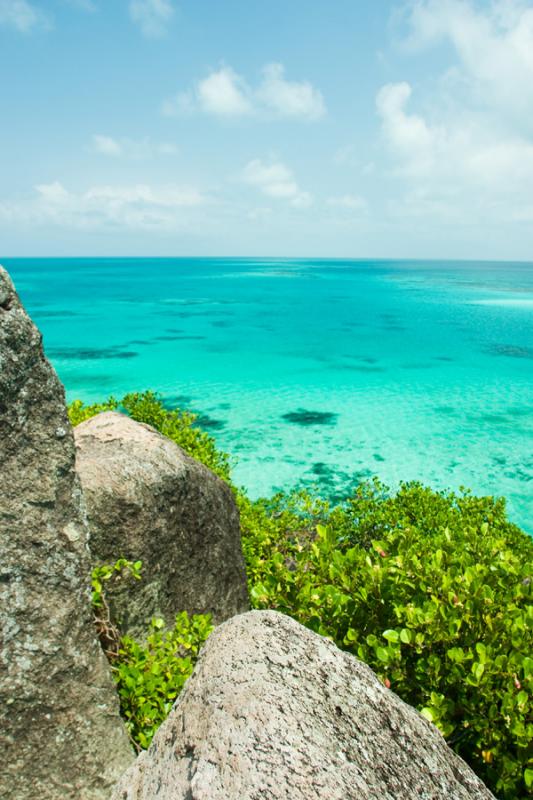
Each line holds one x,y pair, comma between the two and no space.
238,127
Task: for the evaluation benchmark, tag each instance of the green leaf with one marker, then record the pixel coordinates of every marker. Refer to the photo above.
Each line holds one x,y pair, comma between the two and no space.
406,636
391,636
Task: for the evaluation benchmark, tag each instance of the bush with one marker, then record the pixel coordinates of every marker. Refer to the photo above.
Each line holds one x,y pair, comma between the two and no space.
149,676
433,591
79,412
177,425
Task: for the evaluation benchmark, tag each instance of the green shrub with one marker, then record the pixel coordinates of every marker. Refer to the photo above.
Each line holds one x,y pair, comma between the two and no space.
107,631
106,572
150,676
433,591
177,425
79,412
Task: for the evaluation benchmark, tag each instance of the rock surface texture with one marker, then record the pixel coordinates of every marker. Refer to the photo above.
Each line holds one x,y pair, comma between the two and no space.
276,712
60,732
147,500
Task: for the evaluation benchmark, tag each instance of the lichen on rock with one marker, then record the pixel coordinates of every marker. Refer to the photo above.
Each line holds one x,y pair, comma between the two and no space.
61,733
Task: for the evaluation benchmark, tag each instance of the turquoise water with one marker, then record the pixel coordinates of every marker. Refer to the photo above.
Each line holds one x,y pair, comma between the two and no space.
312,371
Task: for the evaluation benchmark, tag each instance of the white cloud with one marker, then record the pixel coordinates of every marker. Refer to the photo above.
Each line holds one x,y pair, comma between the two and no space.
53,193
20,15
225,93
466,147
289,98
458,149
494,45
131,148
276,180
350,202
106,145
408,135
152,16
131,207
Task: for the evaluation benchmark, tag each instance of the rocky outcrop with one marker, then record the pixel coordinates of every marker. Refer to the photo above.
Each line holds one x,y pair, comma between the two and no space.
274,711
60,732
147,500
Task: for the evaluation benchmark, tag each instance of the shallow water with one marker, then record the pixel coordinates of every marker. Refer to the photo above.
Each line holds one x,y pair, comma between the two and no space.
313,371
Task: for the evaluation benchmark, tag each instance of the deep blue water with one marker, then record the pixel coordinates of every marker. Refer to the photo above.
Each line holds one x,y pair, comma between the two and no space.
312,371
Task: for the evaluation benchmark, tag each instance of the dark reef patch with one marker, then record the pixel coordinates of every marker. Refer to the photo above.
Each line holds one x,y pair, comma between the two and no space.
499,461
307,418
362,475
175,337
520,474
363,368
189,314
521,411
52,314
443,358
495,419
178,402
221,323
90,353
208,423
389,319
320,468
511,351
333,484
377,457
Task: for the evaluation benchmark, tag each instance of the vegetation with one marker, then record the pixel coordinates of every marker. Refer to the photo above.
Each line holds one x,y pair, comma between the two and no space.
176,425
432,590
149,676
107,631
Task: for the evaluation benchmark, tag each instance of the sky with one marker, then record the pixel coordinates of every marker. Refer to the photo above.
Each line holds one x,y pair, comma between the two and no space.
331,128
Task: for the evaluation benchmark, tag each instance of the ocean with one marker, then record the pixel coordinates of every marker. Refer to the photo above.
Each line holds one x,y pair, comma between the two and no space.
309,371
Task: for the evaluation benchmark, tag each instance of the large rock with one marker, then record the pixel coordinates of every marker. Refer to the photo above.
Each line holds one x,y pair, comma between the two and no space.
275,712
60,730
147,500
